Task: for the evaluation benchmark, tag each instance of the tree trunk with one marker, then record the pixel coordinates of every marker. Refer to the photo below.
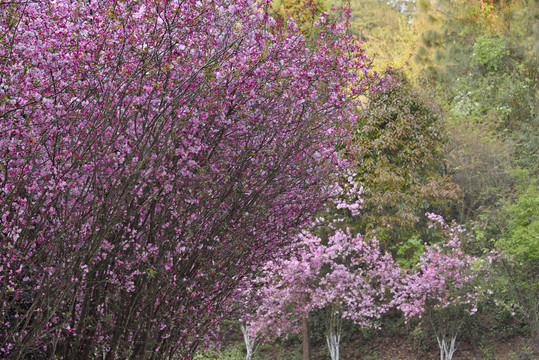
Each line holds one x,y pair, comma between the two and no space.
306,340
447,348
250,341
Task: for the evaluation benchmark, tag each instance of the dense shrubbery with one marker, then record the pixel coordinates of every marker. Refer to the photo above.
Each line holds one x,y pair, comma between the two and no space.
152,154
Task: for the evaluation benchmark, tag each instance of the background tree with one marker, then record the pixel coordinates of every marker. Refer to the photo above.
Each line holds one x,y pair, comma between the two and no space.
304,12
485,60
388,35
399,162
518,289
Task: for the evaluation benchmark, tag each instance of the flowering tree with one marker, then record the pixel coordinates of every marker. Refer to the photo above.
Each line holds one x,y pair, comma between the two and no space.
153,153
351,278
348,276
445,278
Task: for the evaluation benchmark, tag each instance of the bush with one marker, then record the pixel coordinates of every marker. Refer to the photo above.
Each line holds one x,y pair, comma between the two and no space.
152,154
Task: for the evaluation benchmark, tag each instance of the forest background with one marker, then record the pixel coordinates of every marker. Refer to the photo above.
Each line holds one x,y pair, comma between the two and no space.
471,69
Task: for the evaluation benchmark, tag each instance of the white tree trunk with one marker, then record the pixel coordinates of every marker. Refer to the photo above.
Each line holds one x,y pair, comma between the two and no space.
447,349
250,342
333,331
333,340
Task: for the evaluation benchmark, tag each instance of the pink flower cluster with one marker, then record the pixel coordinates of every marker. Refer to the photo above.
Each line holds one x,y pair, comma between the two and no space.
352,276
348,273
444,276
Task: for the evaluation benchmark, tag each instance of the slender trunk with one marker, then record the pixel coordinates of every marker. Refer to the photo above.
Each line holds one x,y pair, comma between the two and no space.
333,332
333,340
447,348
306,341
250,342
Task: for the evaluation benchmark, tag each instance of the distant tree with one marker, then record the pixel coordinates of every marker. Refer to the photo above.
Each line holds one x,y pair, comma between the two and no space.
519,285
399,162
388,36
481,54
304,12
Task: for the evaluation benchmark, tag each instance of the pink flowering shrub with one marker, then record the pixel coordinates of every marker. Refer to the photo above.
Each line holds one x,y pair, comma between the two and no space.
347,274
351,278
444,276
152,154
444,285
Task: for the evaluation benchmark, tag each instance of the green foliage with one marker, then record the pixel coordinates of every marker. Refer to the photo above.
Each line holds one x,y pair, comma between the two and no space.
517,291
410,251
500,101
523,241
526,152
488,52
421,338
387,35
480,163
522,238
516,284
300,11
233,352
290,356
444,37
490,87
398,143
536,42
